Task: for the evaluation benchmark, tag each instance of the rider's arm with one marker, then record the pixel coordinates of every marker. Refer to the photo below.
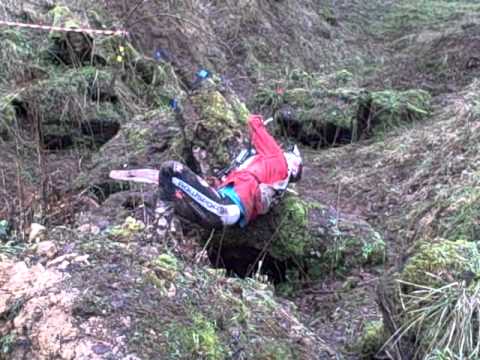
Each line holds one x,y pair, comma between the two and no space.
263,142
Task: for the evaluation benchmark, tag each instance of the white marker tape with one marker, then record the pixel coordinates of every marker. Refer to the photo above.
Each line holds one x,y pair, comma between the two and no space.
58,28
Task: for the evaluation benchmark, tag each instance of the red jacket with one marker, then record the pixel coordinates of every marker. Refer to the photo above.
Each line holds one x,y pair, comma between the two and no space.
257,180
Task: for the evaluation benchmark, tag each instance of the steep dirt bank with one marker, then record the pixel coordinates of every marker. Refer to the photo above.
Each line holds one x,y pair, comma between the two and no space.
248,42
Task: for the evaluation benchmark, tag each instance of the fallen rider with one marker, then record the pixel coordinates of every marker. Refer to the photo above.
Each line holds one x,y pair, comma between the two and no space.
250,188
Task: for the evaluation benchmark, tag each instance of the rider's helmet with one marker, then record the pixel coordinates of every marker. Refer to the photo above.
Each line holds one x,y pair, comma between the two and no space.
295,163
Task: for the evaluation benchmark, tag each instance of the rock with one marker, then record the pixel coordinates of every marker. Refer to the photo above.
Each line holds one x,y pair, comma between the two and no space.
37,232
309,235
46,249
146,142
101,349
335,111
215,124
38,310
89,228
62,262
75,106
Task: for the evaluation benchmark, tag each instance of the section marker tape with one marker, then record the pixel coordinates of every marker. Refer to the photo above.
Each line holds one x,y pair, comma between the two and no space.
58,28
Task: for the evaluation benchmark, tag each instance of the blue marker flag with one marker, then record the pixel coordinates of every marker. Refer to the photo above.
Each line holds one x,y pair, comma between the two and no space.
158,55
203,74
173,104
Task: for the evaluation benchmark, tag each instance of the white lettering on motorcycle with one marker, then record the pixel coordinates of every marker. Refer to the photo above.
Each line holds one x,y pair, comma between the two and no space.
200,198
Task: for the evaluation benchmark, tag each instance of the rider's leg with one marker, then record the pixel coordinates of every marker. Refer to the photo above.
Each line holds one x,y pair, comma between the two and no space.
193,198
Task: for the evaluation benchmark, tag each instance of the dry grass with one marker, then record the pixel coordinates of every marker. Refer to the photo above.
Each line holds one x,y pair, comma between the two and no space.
446,318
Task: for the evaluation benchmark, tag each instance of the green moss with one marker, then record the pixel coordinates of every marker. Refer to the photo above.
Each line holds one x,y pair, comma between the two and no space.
293,236
360,112
218,125
321,104
62,17
137,137
87,78
128,229
68,102
330,247
166,261
109,48
311,235
59,12
343,77
18,54
268,98
164,271
460,219
184,311
299,97
370,340
198,340
90,74
335,256
240,109
388,109
331,109
165,266
213,106
14,42
442,261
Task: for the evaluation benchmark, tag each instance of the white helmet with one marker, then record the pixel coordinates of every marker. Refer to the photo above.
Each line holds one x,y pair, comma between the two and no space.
295,163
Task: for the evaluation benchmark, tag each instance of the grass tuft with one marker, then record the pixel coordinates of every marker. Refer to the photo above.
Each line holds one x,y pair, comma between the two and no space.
445,319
